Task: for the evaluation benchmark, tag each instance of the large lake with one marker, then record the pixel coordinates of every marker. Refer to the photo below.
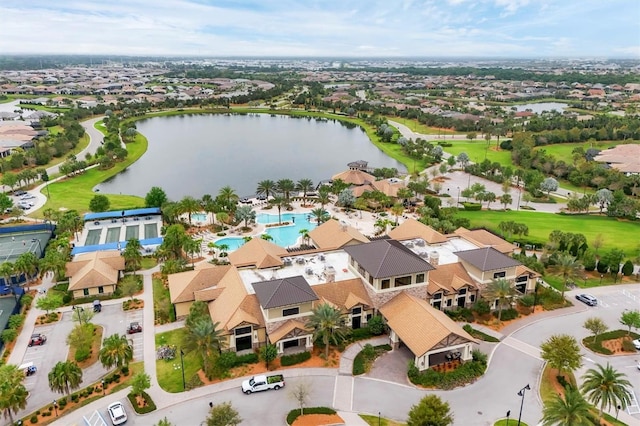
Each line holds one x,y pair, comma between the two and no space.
199,154
540,107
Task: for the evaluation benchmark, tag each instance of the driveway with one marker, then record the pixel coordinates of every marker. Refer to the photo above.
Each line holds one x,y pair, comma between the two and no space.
392,366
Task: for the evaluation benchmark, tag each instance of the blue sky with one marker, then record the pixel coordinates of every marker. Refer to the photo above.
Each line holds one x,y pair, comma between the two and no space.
336,28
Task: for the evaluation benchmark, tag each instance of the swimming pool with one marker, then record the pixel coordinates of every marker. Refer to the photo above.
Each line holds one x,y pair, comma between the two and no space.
233,243
286,236
199,217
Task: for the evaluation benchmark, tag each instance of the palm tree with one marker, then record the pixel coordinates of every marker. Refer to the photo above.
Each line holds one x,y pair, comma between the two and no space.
360,204
305,235
209,205
606,388
189,205
224,248
117,350
324,195
246,214
13,394
27,264
64,377
279,202
6,271
327,324
567,266
572,410
286,186
500,290
266,188
320,215
204,338
228,198
304,185
266,237
132,255
397,209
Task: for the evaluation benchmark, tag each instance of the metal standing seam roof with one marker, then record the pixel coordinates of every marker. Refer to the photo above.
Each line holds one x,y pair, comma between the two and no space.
487,259
387,258
284,292
119,213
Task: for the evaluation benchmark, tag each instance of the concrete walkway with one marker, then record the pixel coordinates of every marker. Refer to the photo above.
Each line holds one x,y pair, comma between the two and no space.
347,357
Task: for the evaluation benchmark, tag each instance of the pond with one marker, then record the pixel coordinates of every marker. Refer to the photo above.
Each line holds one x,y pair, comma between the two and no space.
199,154
542,106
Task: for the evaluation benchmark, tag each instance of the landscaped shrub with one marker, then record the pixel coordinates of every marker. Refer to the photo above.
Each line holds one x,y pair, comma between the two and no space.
464,374
67,298
603,266
75,396
360,334
472,206
507,314
479,334
363,361
294,414
460,314
627,268
34,419
228,360
62,402
527,300
82,354
9,335
15,321
596,346
26,300
627,346
481,307
147,408
124,370
286,360
376,325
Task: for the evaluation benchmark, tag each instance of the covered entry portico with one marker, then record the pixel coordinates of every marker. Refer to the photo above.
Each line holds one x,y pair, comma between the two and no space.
429,333
291,337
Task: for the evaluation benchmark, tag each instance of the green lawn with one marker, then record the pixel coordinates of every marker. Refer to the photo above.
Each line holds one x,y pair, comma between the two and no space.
162,307
512,422
76,193
169,371
563,150
54,130
99,126
616,233
379,421
477,149
419,127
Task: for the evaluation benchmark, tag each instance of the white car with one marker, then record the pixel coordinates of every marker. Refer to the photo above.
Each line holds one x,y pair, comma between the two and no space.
25,205
636,343
116,413
27,197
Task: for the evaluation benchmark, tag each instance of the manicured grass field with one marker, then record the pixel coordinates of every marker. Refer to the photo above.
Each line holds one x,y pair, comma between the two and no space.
476,150
76,193
169,371
419,127
616,233
563,150
376,421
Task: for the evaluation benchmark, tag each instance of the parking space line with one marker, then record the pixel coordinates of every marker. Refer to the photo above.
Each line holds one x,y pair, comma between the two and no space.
633,407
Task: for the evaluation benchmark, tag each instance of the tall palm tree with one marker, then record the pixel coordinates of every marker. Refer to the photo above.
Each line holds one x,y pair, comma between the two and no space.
571,410
228,198
209,205
606,388
13,394
266,188
54,262
7,271
132,255
204,338
502,291
397,209
117,350
65,376
568,267
328,325
279,202
305,235
285,187
189,205
27,264
324,195
245,213
320,215
305,186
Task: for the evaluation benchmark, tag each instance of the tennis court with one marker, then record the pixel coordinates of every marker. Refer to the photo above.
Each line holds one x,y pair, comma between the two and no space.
13,244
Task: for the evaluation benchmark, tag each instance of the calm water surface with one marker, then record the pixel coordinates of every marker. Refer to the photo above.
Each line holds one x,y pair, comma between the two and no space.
199,154
542,106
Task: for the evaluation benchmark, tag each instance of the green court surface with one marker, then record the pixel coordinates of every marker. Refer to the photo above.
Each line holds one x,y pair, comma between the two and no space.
12,245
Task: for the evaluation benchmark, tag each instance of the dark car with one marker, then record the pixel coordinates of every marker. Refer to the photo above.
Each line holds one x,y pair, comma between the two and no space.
587,298
37,340
30,371
97,306
19,192
134,327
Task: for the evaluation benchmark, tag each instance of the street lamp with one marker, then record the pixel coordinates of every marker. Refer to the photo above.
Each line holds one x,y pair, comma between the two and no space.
601,276
458,203
35,240
55,406
184,385
78,310
102,381
378,418
521,393
508,414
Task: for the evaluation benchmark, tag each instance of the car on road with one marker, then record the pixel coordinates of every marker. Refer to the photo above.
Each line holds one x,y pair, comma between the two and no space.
27,197
19,193
587,299
134,327
37,339
25,205
29,368
97,306
116,413
636,344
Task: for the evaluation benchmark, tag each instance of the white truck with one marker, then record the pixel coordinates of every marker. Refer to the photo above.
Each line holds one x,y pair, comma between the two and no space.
263,383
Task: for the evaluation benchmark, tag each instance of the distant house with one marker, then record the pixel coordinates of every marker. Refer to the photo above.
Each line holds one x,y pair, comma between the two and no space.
94,274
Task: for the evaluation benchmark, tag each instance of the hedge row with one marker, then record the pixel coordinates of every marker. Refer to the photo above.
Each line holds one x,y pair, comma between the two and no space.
149,407
294,414
464,374
286,360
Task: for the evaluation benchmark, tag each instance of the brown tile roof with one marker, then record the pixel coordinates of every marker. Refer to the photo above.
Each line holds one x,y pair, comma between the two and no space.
411,228
487,259
184,285
259,253
625,157
283,292
484,238
449,278
520,270
387,258
354,177
344,295
234,305
419,325
90,270
287,328
332,235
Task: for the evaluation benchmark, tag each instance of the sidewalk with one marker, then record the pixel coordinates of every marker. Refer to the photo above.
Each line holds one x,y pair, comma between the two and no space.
346,359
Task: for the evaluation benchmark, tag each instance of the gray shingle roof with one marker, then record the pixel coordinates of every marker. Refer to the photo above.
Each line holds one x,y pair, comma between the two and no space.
387,258
283,292
487,259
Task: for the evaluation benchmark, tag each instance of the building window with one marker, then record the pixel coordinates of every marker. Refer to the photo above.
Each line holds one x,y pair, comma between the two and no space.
462,291
356,310
290,311
361,270
100,289
402,281
497,275
85,291
437,296
242,330
522,279
370,279
449,302
472,298
420,278
386,283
